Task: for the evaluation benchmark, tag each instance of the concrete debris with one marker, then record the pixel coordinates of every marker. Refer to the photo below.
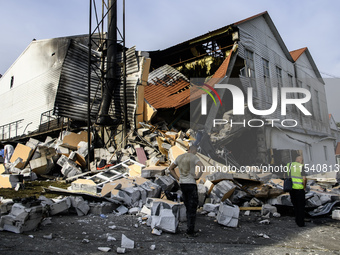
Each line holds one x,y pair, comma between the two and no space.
222,190
122,210
104,249
22,218
111,238
267,208
132,180
152,247
49,236
336,215
265,222
82,206
127,243
156,232
60,205
228,215
211,214
208,207
120,250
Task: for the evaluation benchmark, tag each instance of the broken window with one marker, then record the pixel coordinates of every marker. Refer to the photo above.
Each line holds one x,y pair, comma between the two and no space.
266,76
250,67
212,49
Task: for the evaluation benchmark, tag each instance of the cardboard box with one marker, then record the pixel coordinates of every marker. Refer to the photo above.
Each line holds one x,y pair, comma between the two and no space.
72,140
24,152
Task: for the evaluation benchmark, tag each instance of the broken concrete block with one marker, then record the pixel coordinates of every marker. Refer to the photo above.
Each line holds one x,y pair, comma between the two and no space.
122,210
267,208
153,190
219,176
49,236
104,249
82,149
143,131
127,243
165,221
254,202
202,194
21,218
82,207
32,143
166,146
145,210
208,207
60,205
153,161
156,232
238,196
222,190
130,195
6,206
102,208
69,170
41,165
336,215
84,185
101,153
265,222
134,210
211,214
276,215
120,250
209,186
153,171
166,182
228,215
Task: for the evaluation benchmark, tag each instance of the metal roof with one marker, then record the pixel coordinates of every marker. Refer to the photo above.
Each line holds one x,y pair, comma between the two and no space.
297,53
168,88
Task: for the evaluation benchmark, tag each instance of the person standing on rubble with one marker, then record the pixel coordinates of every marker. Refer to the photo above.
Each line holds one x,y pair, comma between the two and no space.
187,168
8,152
297,194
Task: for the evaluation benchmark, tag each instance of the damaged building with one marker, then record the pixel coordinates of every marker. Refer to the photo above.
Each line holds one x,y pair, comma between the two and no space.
248,54
46,88
45,92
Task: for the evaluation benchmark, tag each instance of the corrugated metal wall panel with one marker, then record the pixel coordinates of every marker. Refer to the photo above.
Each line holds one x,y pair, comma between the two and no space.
71,98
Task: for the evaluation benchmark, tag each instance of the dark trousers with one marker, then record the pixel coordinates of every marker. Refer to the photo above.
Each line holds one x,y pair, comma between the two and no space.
297,196
190,199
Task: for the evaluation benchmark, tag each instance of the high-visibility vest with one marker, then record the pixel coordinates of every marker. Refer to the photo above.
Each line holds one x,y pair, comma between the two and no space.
295,174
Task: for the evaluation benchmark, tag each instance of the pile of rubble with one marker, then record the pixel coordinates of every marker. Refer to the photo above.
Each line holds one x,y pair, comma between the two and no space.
135,180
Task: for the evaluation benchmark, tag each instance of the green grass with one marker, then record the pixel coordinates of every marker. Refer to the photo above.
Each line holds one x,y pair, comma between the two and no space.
33,188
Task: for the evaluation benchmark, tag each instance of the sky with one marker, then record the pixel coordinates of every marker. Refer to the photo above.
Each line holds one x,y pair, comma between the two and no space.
158,24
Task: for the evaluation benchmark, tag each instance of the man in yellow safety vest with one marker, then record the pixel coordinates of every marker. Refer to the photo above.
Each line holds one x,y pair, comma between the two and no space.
297,195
